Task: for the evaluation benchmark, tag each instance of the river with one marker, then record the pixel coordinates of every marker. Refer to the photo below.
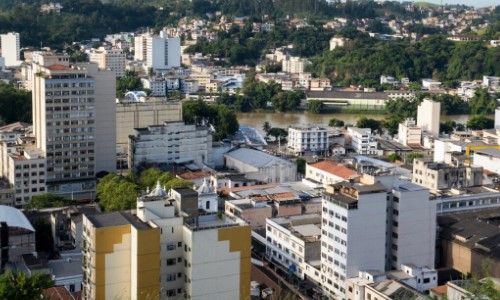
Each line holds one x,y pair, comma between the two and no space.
256,119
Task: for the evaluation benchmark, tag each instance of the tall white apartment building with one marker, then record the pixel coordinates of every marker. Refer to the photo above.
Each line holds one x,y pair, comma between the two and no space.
409,134
172,142
362,141
353,233
378,224
74,121
412,227
163,52
11,49
302,140
428,116
113,59
294,64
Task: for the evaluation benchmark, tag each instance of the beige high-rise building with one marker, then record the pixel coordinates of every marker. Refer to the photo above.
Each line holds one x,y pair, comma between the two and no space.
10,45
428,116
113,59
74,123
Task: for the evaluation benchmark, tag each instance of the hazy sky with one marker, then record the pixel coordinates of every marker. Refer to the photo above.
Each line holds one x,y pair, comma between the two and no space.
476,3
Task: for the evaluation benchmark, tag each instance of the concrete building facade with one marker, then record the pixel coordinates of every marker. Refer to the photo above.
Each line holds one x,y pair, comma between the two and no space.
113,59
172,142
409,134
302,140
428,116
74,123
11,49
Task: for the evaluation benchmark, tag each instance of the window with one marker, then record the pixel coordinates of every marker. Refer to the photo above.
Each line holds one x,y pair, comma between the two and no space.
171,261
171,293
170,246
427,280
207,205
171,277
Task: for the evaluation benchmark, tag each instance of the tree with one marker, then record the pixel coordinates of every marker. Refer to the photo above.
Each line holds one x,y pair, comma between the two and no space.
130,82
15,104
278,133
48,200
19,286
373,124
301,165
116,193
314,106
482,102
394,157
335,123
478,122
266,127
410,157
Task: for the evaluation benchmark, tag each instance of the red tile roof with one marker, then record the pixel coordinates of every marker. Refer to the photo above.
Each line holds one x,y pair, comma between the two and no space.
60,293
440,289
194,175
335,169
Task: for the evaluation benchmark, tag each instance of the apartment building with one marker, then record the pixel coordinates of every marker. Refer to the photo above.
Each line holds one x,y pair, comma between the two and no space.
172,142
74,123
328,172
11,49
353,233
294,242
409,134
307,140
112,59
440,176
163,52
377,224
429,116
294,64
363,142
168,250
27,174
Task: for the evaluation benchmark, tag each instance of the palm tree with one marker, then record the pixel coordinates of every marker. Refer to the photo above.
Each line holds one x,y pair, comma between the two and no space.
266,127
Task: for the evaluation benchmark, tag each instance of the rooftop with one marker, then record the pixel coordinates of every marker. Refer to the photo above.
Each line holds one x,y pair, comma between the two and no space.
346,95
255,158
335,169
396,290
116,218
489,152
194,175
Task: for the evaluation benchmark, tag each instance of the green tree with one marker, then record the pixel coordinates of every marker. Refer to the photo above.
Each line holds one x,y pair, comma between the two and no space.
130,82
394,157
266,127
478,122
116,193
48,200
15,104
278,133
335,123
19,286
301,165
373,124
482,102
410,157
314,106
